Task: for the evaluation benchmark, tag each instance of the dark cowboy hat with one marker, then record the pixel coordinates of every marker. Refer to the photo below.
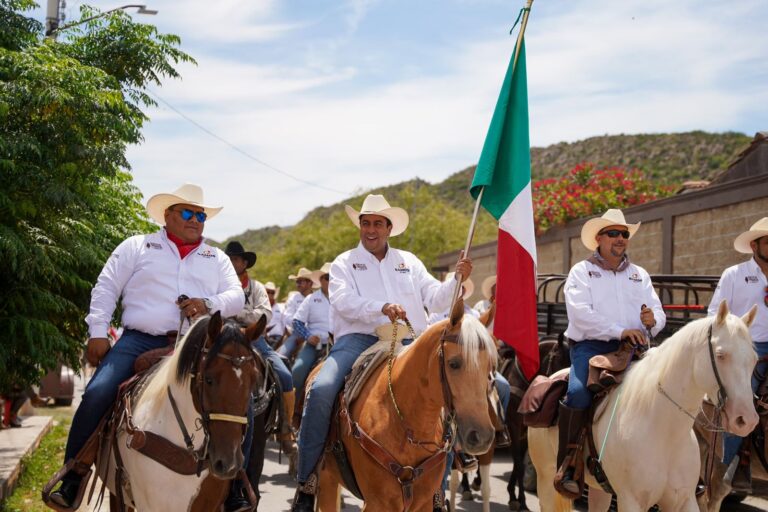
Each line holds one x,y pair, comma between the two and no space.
236,249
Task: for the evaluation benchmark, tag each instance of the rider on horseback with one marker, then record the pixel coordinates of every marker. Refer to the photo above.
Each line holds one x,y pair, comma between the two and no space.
305,282
147,273
603,295
370,285
742,286
257,305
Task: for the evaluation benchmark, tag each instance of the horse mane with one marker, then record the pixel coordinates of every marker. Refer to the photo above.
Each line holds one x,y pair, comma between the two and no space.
639,387
473,338
179,367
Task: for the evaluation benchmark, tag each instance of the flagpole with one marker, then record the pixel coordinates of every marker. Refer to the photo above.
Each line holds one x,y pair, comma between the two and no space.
471,233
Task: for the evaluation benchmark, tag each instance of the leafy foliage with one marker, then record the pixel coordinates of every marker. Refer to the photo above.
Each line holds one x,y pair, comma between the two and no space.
66,196
587,190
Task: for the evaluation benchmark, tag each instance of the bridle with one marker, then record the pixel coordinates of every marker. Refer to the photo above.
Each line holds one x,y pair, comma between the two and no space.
197,388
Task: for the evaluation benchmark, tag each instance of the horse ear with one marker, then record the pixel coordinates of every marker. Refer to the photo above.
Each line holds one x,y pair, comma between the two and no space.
722,312
457,312
750,316
256,329
214,326
487,317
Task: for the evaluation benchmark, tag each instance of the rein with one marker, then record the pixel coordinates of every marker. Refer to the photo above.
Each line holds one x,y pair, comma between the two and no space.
713,424
407,475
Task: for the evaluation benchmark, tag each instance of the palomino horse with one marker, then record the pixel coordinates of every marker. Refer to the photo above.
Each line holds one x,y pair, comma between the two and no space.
204,388
444,374
650,454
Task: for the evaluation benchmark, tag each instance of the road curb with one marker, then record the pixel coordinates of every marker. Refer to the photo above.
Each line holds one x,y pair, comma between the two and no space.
15,444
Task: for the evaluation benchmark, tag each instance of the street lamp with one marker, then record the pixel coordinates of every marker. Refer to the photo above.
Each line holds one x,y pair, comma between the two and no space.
54,28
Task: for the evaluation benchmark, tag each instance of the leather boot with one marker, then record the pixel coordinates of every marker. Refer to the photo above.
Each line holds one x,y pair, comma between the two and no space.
304,500
66,495
236,500
570,424
742,478
503,440
286,437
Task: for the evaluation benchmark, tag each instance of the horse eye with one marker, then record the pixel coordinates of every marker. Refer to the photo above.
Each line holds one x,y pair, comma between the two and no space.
720,355
209,380
454,364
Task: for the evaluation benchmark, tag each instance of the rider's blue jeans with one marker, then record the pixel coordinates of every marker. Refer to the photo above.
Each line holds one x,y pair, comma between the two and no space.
289,345
304,361
732,442
504,391
101,392
268,353
578,396
316,418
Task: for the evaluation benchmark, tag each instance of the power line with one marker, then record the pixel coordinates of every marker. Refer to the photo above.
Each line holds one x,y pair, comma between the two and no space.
242,151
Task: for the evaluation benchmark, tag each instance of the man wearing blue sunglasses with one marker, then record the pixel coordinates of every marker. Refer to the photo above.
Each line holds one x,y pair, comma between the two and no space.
148,274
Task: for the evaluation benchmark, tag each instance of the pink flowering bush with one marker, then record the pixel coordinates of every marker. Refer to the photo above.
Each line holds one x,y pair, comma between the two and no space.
587,190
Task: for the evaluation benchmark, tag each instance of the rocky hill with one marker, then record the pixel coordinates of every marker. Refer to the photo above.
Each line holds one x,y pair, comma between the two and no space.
440,224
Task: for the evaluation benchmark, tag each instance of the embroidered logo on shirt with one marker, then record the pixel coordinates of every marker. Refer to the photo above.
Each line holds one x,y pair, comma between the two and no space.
635,277
402,268
155,245
207,254
594,273
317,301
750,279
359,266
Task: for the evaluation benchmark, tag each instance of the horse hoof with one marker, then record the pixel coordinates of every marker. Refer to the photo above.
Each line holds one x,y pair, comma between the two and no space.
467,496
515,505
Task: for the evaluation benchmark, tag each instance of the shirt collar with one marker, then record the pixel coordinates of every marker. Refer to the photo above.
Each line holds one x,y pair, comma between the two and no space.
598,260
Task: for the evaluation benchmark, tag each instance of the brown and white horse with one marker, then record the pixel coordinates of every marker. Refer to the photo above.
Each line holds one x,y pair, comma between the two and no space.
209,378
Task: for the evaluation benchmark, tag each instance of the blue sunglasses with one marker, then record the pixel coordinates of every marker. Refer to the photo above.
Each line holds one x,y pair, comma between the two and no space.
187,214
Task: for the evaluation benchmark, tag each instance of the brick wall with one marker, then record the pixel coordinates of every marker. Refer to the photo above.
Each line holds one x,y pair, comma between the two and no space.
549,258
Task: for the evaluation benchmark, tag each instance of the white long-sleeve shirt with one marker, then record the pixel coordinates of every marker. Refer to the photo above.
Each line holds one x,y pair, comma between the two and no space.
602,303
291,307
275,327
361,285
743,286
256,304
315,312
147,272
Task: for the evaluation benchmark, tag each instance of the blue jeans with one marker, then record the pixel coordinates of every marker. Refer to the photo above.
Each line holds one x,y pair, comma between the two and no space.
304,361
732,442
503,389
101,392
578,396
289,345
316,418
283,375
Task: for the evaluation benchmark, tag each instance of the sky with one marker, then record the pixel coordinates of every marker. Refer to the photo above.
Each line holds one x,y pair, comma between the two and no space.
295,104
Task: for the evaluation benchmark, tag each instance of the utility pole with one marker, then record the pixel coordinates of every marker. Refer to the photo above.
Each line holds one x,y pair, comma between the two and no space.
54,15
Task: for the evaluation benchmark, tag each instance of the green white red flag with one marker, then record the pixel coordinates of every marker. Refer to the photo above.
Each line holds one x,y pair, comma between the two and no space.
504,171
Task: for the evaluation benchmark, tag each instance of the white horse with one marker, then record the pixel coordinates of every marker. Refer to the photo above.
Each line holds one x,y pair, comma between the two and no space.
211,376
651,455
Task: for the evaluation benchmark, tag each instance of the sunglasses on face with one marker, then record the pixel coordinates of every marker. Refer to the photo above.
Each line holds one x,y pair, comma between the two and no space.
613,233
187,214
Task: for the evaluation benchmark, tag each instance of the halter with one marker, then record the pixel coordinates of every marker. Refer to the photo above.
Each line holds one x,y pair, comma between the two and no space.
198,384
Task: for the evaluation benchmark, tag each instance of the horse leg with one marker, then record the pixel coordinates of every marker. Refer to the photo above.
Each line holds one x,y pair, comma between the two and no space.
452,486
542,446
477,482
484,474
599,500
466,489
329,491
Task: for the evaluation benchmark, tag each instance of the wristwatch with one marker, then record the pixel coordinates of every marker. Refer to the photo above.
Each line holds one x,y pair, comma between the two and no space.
208,304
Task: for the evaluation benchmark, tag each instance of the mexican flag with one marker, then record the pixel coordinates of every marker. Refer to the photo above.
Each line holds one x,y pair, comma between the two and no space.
504,170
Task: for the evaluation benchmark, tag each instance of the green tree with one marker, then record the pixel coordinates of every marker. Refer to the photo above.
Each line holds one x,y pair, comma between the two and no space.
68,111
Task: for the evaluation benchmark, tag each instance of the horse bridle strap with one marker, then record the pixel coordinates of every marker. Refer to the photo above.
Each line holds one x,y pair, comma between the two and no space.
215,416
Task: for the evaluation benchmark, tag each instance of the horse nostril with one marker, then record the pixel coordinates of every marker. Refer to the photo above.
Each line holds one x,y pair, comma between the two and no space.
218,467
473,438
740,422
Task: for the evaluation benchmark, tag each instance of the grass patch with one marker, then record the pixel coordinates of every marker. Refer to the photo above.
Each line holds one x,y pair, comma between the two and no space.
38,467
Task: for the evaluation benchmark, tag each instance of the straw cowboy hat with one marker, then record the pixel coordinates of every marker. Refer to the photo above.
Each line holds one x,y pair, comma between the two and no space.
235,248
488,283
270,286
469,286
188,193
375,204
592,227
325,269
305,273
759,229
